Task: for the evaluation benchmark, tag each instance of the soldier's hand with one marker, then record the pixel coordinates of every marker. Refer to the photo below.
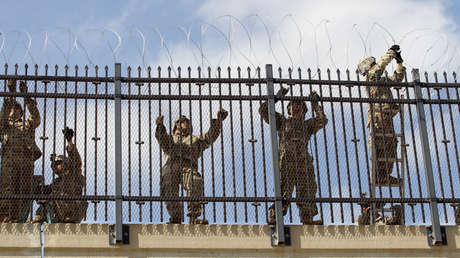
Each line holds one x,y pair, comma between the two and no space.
68,133
222,114
23,87
282,92
159,120
395,48
314,98
12,85
398,58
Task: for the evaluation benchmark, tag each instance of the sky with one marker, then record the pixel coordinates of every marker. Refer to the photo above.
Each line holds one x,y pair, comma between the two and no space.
297,34
326,34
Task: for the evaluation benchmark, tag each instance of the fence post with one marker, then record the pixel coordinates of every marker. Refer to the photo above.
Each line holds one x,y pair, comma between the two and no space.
118,151
278,236
435,237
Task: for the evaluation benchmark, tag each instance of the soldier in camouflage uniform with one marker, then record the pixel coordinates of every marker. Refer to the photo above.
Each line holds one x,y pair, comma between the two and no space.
296,164
380,115
18,153
182,150
70,181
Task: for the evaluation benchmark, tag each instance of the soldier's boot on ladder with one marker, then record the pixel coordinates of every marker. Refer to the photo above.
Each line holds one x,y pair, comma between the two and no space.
198,221
272,215
383,179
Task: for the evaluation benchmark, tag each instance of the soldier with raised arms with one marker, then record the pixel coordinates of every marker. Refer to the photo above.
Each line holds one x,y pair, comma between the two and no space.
296,164
182,150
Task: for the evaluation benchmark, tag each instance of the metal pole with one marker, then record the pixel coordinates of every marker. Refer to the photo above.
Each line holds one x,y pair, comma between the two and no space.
118,151
279,227
436,227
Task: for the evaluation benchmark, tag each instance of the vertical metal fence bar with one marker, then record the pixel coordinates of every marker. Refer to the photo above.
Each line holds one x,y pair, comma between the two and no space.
222,153
264,162
159,149
345,144
149,73
454,136
279,227
139,142
235,213
129,144
445,141
253,141
436,228
435,143
355,140
106,125
243,155
95,139
118,156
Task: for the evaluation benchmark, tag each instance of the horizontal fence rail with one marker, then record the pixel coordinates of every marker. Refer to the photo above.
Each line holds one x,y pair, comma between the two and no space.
345,160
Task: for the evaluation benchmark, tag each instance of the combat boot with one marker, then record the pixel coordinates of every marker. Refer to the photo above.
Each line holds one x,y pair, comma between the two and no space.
396,218
197,221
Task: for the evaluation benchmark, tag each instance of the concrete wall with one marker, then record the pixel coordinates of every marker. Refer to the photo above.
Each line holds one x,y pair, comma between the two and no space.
75,240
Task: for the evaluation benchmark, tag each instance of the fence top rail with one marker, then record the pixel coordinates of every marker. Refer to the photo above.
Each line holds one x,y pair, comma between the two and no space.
204,81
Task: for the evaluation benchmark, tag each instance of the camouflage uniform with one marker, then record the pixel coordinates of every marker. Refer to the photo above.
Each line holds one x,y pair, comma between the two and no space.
296,164
19,152
380,115
181,167
70,181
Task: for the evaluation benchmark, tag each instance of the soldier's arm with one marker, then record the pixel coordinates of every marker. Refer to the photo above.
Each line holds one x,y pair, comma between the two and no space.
378,69
263,111
74,156
163,138
210,136
33,120
5,113
319,121
399,73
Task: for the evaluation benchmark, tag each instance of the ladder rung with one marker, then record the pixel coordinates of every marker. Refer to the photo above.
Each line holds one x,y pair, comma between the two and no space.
388,134
389,160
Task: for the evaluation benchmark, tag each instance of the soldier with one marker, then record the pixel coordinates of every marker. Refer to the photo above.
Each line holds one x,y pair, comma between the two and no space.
296,164
19,152
182,150
70,181
380,115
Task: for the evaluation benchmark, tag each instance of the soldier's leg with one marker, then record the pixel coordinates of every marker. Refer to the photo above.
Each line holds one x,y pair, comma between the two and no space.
194,187
306,188
40,214
287,170
169,187
25,187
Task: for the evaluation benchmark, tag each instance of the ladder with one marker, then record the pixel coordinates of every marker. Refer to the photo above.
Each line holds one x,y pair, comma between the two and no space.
399,161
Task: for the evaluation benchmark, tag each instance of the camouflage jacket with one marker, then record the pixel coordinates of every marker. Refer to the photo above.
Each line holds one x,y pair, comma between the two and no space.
19,136
382,92
186,149
293,133
71,180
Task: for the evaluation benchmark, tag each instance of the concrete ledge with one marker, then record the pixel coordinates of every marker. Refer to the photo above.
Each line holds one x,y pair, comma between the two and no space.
224,240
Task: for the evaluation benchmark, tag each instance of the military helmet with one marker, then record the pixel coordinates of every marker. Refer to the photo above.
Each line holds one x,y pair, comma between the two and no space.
18,106
179,120
298,102
365,64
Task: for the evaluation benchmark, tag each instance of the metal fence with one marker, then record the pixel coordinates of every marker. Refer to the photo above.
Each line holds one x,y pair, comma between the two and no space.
114,113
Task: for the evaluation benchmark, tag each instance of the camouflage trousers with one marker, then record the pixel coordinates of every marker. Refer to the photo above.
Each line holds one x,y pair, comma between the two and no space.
298,173
385,151
16,178
175,175
63,211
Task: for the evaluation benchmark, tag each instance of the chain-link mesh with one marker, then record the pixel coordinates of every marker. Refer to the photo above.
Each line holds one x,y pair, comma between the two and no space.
196,147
